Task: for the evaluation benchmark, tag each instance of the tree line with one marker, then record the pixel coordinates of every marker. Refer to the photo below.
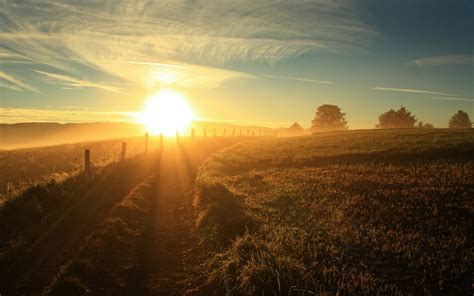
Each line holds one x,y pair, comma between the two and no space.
331,118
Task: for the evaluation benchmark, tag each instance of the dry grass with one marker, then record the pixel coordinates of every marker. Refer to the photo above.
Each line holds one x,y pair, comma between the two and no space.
109,261
360,212
44,225
24,168
96,233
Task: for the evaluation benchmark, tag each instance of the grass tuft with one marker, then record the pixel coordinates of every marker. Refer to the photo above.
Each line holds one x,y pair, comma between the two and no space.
221,214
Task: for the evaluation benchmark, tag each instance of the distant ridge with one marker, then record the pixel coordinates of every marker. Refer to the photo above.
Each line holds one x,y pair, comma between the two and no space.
33,134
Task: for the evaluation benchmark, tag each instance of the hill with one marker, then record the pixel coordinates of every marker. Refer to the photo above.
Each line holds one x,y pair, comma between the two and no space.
37,134
356,212
125,228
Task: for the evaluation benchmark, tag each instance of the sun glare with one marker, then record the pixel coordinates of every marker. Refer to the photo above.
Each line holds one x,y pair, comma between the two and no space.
166,112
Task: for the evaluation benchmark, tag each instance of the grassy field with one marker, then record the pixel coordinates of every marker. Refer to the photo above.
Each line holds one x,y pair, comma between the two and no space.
23,168
357,212
112,232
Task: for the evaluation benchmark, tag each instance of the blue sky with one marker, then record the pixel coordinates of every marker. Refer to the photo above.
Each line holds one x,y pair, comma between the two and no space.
266,62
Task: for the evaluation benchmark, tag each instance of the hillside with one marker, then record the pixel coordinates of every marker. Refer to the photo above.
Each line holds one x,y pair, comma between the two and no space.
126,228
23,168
354,212
36,134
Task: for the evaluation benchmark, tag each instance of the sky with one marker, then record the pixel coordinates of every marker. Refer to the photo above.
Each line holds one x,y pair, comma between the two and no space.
247,62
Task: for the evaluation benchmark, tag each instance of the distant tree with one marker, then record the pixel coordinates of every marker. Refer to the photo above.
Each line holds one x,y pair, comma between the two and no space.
396,119
295,129
424,125
460,120
329,117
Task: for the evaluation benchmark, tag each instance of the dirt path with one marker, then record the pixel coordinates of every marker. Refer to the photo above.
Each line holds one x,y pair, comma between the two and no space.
132,233
174,257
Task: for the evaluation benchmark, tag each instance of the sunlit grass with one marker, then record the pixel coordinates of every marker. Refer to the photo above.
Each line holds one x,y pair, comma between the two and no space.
351,213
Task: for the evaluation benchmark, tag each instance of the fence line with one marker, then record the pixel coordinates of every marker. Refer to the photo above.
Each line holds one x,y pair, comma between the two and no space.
123,153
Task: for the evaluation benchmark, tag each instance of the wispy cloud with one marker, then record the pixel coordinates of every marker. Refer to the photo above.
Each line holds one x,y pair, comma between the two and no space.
451,99
12,58
413,91
77,83
299,79
441,60
10,82
15,115
138,41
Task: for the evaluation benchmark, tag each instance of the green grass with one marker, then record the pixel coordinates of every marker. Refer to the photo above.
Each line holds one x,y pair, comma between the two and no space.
358,212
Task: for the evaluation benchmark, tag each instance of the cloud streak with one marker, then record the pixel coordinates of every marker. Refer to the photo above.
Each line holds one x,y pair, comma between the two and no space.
16,115
72,82
10,82
408,90
451,99
443,60
298,79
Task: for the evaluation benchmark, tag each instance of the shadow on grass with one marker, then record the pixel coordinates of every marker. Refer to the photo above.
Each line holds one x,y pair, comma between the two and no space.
41,229
221,214
386,157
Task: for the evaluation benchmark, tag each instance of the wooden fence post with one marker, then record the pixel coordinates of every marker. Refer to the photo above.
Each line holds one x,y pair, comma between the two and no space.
192,134
248,133
124,151
233,132
224,132
205,135
214,132
146,142
177,135
87,161
161,141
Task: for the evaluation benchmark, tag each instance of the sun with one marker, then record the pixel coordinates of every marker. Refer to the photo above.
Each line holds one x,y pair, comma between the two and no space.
166,112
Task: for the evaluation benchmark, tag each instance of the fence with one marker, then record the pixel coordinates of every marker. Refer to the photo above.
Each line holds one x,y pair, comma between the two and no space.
192,136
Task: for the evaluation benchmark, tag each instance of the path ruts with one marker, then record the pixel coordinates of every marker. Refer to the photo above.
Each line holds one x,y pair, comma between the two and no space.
133,233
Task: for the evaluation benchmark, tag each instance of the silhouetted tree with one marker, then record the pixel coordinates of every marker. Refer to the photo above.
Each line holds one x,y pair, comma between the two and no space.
396,119
329,117
424,125
460,120
295,129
